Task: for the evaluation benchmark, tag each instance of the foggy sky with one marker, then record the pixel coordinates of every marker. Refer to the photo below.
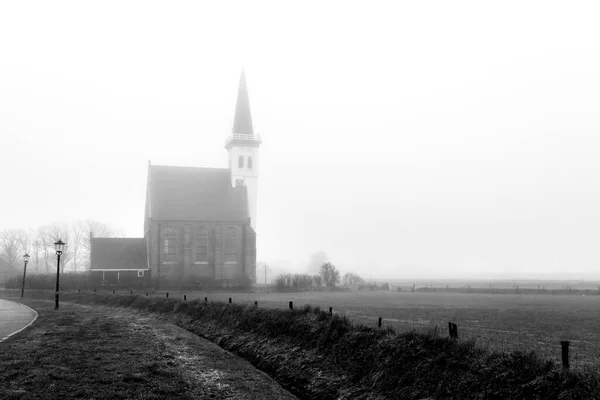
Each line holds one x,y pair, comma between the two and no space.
421,139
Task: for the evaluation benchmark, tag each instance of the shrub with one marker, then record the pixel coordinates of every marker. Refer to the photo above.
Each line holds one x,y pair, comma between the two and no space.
297,282
68,281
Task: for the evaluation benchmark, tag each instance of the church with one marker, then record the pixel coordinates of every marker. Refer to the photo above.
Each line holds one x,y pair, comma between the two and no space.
199,223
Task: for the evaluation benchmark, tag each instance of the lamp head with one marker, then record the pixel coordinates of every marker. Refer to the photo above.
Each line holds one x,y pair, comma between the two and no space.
26,258
59,246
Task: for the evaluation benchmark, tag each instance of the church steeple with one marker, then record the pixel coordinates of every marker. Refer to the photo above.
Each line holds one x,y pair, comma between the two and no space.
242,146
242,121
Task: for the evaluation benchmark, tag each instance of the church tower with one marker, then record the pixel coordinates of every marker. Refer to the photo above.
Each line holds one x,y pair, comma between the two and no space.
242,146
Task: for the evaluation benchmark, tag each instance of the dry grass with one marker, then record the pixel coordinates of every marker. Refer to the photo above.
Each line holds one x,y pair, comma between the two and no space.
502,322
99,353
76,353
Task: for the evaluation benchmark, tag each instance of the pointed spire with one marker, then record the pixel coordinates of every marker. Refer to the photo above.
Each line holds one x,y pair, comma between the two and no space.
242,121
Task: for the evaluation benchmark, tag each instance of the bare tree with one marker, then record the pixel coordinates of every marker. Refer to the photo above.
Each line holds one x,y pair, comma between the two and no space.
24,239
9,245
330,274
36,247
39,243
45,241
78,235
350,279
61,231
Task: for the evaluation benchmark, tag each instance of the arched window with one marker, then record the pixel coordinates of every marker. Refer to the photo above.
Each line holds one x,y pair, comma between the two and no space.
201,244
170,244
231,245
249,162
241,162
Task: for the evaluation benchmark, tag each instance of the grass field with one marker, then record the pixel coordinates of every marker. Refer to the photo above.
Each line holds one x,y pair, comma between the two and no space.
496,321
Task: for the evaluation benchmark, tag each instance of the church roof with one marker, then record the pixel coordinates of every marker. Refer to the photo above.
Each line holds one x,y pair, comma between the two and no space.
195,194
242,120
118,253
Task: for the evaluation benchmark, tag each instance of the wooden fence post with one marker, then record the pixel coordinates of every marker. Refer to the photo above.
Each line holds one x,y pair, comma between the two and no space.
291,305
184,297
230,300
206,299
167,295
453,330
565,354
379,323
256,304
330,310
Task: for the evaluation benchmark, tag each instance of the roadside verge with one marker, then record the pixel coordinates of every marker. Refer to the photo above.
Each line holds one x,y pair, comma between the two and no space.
109,353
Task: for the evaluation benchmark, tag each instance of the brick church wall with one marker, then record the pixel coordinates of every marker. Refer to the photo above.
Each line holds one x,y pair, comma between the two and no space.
185,270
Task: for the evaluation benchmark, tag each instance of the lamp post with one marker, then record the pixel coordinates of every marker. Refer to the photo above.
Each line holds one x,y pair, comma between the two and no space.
26,260
59,246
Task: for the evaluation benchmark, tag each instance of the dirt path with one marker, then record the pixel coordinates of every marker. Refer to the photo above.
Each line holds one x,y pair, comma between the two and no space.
110,353
204,362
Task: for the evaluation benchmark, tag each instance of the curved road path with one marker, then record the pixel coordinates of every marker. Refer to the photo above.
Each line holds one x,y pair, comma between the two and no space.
14,317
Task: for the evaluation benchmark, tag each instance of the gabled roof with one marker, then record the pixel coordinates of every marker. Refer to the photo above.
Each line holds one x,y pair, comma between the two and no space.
195,194
118,253
242,120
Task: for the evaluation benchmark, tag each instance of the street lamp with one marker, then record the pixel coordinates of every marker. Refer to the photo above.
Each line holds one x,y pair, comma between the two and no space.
26,260
59,246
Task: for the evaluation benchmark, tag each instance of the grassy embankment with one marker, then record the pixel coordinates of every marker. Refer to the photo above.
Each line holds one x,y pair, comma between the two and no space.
82,352
319,356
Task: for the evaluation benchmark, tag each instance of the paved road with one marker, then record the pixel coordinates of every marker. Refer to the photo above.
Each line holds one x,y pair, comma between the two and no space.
14,316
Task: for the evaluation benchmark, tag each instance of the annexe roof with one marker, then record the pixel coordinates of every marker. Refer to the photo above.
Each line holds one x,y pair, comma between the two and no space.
118,253
195,194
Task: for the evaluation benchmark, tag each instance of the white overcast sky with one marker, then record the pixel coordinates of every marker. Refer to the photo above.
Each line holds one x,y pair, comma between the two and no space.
404,139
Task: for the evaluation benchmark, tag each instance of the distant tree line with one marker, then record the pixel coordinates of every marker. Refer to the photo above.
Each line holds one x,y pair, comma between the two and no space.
328,277
39,244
